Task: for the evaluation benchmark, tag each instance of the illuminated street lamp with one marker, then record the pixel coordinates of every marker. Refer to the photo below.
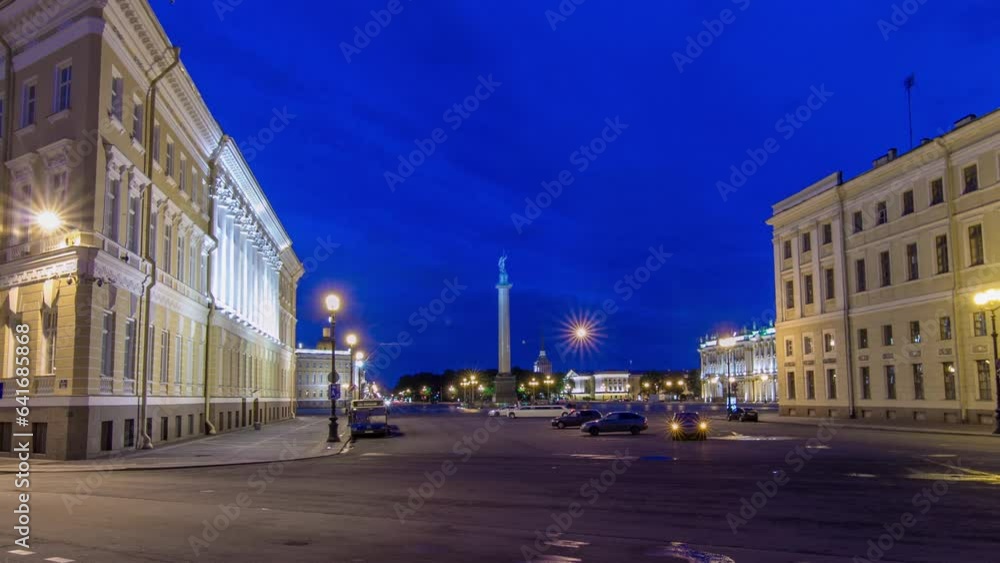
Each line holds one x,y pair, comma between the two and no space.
48,221
581,333
352,340
534,385
548,388
989,300
728,344
332,306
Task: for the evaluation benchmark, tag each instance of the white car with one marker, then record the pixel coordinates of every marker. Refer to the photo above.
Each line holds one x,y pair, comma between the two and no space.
534,411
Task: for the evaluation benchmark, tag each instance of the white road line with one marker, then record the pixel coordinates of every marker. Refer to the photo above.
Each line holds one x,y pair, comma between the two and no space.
568,543
60,560
21,552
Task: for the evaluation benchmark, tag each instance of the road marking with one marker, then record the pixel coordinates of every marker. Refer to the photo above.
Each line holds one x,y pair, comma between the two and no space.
941,455
599,456
21,552
690,555
557,559
744,437
818,447
863,475
374,454
60,560
568,543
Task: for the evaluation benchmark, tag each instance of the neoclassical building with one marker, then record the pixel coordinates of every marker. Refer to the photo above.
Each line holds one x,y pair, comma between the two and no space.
312,383
156,283
603,385
747,359
875,279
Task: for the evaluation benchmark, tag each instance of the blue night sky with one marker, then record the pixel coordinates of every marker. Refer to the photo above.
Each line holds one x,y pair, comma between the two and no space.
654,185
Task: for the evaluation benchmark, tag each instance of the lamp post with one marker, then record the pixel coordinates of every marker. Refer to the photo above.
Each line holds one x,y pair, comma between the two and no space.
359,362
548,388
351,340
333,305
728,344
990,301
534,385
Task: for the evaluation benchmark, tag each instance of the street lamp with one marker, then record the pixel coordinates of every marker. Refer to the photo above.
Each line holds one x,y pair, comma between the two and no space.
352,339
48,221
728,344
990,301
534,385
548,388
333,305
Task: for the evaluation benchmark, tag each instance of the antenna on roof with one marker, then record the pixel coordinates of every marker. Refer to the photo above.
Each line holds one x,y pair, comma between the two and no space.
909,82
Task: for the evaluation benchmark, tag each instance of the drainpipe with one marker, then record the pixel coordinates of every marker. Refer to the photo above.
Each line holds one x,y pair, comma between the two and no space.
846,296
956,323
145,441
209,427
8,116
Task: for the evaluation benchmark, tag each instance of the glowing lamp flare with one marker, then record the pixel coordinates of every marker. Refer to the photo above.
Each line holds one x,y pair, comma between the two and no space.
48,221
990,296
352,339
333,302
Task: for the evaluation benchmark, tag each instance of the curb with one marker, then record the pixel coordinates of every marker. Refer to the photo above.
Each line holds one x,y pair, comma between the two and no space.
345,447
887,428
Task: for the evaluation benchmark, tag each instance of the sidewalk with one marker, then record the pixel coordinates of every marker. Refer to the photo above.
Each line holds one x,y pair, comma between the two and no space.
295,439
887,425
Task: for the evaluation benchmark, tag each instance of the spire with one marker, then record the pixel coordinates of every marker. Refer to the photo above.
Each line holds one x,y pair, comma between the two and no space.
541,339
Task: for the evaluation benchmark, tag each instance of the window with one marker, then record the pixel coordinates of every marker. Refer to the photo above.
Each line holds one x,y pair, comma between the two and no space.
107,435
983,376
945,323
949,380
806,242
790,377
49,332
117,97
156,143
39,437
807,345
788,348
979,323
866,383
64,87
937,191
183,175
789,295
907,202
28,104
881,213
915,332
180,257
885,269
787,249
918,381
861,279
828,342
130,344
941,248
108,345
859,223
164,428
168,235
129,432
164,356
827,233
170,158
132,223
178,428
831,383
912,264
810,385
890,382
190,424
138,115
809,289
970,179
887,339
975,245
862,338
152,234
112,189
178,359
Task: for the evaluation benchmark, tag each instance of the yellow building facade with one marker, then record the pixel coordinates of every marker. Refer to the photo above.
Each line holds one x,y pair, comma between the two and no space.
875,279
157,282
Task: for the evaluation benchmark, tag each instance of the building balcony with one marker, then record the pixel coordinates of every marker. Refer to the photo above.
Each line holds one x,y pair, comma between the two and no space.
128,387
43,385
107,385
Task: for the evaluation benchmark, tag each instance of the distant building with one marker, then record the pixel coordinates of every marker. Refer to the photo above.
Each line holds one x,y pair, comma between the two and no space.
748,358
875,279
312,383
543,365
603,385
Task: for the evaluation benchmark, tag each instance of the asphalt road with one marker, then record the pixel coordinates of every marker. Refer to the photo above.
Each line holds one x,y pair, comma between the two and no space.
453,487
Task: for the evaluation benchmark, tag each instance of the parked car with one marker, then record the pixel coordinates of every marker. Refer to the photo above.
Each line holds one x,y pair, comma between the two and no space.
688,426
616,422
534,411
575,418
743,415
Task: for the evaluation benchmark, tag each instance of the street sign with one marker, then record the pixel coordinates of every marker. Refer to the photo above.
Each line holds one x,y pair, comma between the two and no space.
334,391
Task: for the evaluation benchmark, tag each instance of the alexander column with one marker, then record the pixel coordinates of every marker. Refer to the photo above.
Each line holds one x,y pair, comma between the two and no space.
505,383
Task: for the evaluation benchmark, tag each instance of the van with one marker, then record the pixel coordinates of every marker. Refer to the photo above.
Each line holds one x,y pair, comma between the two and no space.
534,411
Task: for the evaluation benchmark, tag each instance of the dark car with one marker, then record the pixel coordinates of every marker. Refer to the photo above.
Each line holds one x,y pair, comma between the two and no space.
688,426
743,415
616,422
575,418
